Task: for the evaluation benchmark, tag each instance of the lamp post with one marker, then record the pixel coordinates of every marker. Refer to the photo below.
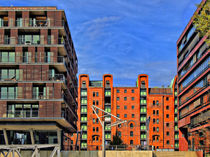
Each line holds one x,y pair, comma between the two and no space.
119,121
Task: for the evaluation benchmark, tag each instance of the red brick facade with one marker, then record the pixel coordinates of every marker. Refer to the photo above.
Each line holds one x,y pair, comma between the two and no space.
136,105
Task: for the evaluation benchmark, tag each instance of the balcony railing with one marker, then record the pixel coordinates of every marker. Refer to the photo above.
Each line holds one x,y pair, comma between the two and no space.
23,59
200,118
22,114
25,96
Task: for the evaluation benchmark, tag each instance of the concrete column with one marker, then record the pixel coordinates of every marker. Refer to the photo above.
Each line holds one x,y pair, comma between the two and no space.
59,137
32,136
5,137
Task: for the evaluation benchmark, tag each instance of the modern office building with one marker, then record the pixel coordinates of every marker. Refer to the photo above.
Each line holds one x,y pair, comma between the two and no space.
140,106
38,82
193,89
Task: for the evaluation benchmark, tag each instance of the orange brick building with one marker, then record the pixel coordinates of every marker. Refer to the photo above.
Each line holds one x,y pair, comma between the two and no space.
137,105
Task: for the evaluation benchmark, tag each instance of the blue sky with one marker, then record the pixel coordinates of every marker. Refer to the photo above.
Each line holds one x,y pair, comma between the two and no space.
124,37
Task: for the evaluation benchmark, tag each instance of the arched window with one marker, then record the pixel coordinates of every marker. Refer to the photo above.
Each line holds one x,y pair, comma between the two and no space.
131,125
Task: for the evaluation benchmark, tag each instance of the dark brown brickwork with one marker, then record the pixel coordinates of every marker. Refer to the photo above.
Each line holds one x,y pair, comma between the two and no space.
43,79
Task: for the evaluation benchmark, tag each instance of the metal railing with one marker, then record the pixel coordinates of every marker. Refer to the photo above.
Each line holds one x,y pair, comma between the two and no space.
22,114
25,95
200,118
23,59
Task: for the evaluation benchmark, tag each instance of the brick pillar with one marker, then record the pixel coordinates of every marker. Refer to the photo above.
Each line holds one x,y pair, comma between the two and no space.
11,15
58,17
45,72
1,36
29,90
57,90
50,18
32,53
40,54
50,109
54,51
50,92
3,111
57,109
44,35
23,74
21,90
42,109
14,36
54,36
25,16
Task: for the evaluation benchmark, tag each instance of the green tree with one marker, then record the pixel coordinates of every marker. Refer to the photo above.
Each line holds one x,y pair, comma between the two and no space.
116,140
202,20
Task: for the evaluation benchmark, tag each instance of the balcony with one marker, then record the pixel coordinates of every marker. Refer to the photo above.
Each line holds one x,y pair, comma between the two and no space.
22,114
29,96
200,119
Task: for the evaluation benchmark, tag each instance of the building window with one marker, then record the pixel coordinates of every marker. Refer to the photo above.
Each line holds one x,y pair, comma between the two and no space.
132,98
119,133
153,112
118,107
125,98
118,98
153,102
167,133
133,115
131,142
97,102
94,102
201,142
167,107
153,121
167,115
94,129
167,98
153,138
94,120
157,102
118,91
125,115
167,142
118,115
94,94
132,107
131,125
97,94
131,133
157,129
153,128
157,112
119,125
132,90
157,121
167,124
157,138
125,107
97,129
125,91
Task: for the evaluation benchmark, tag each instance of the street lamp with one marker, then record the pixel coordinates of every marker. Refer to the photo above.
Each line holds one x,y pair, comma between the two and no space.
119,121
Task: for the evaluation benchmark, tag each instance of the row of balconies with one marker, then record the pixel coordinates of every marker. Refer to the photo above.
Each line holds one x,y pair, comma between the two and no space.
18,59
31,40
31,22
